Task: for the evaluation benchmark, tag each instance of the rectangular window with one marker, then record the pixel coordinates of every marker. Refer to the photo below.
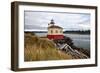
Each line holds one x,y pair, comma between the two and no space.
51,31
56,31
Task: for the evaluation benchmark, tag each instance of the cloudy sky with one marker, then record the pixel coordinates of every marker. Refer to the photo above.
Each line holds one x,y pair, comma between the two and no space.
38,21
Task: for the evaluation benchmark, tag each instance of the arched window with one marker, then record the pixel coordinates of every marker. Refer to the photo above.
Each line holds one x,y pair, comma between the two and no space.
51,31
60,31
56,31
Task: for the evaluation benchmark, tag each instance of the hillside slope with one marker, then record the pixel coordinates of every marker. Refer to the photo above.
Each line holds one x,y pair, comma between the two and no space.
39,49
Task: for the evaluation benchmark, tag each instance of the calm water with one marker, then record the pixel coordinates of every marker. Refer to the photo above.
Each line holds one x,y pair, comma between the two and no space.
79,40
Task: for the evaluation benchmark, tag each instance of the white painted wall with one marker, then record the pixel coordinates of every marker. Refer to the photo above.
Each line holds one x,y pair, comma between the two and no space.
5,38
54,31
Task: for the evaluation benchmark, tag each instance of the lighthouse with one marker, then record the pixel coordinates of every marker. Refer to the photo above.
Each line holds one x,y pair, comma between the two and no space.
54,32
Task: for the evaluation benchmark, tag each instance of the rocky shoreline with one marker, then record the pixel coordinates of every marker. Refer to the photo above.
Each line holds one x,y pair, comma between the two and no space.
76,52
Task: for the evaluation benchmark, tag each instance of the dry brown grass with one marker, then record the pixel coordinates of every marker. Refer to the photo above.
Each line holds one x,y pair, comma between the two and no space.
39,49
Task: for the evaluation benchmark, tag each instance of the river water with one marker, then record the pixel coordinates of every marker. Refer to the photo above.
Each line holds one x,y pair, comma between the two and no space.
79,40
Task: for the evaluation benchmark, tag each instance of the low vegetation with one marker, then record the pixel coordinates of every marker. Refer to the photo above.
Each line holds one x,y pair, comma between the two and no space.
38,49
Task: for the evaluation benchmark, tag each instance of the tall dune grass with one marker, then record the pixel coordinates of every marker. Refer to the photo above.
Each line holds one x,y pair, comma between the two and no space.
39,49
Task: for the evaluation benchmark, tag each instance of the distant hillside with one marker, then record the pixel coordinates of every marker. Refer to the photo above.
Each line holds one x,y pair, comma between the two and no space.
38,49
78,32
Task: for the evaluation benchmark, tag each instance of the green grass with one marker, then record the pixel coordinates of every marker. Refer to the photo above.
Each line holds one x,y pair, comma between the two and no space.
40,49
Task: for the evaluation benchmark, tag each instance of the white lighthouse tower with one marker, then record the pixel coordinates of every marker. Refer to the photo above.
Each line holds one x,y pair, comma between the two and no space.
54,31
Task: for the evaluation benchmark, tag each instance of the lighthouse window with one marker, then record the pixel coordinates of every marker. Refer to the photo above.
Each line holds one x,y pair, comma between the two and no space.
60,31
56,31
51,31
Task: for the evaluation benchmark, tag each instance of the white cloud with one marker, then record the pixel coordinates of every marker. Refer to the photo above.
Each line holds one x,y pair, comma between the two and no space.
69,21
